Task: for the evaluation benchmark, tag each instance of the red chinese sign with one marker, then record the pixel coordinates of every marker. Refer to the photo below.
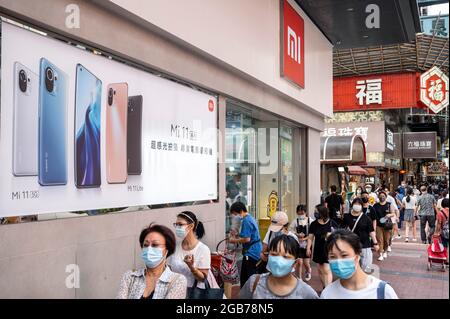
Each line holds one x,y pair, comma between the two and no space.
375,92
434,89
293,46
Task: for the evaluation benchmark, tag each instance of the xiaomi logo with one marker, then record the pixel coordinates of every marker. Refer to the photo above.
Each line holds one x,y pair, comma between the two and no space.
293,45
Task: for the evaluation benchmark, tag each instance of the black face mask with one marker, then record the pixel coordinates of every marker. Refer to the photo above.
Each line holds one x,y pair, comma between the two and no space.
316,215
365,200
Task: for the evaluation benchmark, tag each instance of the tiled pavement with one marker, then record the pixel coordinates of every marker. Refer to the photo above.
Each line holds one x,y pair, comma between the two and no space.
406,270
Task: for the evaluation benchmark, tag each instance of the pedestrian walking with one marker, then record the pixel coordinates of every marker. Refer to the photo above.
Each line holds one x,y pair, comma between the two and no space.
362,225
279,282
250,240
409,205
335,204
318,232
385,212
156,280
192,258
427,211
344,249
300,226
442,223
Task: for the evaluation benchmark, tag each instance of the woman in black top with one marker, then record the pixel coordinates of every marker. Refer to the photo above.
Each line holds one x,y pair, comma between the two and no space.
384,211
360,224
318,232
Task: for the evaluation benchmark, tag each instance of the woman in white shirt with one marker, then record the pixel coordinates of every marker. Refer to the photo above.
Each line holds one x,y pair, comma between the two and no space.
409,204
192,258
344,249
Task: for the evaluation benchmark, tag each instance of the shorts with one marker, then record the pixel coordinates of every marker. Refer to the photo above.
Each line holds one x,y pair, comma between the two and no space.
302,253
409,215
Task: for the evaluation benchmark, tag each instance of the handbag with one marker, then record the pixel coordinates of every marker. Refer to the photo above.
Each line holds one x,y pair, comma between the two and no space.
388,224
195,292
228,267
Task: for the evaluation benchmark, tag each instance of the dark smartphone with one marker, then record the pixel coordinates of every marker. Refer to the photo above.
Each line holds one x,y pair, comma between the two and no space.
134,135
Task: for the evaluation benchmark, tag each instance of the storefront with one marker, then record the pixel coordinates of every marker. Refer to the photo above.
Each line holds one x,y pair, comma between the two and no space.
267,119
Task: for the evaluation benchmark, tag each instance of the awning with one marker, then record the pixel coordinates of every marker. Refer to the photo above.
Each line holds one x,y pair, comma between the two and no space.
356,170
371,171
342,150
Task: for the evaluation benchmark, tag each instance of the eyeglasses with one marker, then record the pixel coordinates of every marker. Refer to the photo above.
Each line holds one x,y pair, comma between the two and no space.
179,224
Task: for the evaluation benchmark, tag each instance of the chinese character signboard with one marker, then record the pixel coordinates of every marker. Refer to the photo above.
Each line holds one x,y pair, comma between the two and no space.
369,132
390,144
376,92
292,45
436,169
434,89
369,92
419,145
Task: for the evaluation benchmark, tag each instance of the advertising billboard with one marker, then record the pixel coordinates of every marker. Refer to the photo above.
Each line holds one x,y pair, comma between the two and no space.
79,131
419,145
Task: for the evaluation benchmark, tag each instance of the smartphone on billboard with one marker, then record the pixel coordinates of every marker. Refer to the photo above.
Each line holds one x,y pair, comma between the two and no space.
134,135
25,123
116,133
88,99
52,147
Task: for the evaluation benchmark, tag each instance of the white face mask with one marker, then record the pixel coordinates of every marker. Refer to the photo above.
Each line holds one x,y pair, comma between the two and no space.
357,208
368,189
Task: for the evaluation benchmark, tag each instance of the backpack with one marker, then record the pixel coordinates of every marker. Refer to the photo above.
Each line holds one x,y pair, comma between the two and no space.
444,231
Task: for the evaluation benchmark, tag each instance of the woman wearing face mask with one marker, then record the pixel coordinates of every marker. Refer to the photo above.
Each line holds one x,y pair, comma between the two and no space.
318,233
192,258
156,280
344,249
384,211
279,282
362,225
300,226
357,193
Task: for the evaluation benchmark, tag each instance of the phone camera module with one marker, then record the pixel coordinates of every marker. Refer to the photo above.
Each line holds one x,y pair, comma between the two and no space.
49,79
110,96
23,80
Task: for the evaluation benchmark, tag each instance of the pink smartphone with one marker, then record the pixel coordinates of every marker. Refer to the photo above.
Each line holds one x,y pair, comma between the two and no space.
116,133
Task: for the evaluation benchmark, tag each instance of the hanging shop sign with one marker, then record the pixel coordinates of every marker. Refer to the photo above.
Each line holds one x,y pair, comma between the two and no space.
436,169
79,131
434,89
293,45
385,91
419,145
369,132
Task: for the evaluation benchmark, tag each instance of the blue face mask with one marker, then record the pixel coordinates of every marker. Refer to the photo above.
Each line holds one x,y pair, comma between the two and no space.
180,231
152,256
343,268
279,266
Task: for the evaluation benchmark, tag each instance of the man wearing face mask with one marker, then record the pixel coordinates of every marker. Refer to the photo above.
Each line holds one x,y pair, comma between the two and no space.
368,209
362,226
373,198
344,249
156,280
385,212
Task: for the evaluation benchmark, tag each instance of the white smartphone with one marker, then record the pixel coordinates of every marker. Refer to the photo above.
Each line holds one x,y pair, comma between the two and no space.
25,124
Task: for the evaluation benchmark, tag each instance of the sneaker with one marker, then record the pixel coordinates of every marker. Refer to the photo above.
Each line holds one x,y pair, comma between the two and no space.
385,255
381,258
406,239
308,276
399,236
414,239
424,242
389,249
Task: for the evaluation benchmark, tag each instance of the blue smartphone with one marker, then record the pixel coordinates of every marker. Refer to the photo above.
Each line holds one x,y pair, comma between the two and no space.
52,148
88,99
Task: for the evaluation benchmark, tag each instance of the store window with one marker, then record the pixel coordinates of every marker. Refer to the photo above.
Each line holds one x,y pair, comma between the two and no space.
262,164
